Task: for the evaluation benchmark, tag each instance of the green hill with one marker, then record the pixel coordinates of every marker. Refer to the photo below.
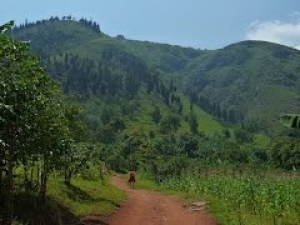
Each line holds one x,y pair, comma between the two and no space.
248,83
129,79
258,80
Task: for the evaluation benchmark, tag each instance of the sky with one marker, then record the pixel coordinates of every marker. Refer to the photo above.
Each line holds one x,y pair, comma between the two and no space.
202,24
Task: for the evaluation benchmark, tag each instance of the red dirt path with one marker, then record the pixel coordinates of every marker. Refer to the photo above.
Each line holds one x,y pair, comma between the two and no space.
145,207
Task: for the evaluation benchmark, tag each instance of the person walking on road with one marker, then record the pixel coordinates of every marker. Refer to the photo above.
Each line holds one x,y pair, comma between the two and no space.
132,179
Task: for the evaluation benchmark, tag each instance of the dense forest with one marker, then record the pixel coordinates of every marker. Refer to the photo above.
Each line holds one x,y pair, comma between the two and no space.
73,99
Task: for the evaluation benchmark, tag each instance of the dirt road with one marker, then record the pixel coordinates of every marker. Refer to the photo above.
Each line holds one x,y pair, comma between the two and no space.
145,207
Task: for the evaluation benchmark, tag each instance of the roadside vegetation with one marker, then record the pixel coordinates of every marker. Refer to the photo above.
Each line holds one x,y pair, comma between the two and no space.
244,197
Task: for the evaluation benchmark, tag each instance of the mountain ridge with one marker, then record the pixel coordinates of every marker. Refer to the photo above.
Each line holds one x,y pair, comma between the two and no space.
243,79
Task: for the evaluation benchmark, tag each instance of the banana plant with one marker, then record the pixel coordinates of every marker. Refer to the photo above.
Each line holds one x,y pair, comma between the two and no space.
290,120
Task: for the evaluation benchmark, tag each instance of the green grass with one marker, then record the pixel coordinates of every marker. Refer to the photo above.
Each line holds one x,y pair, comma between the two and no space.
261,140
65,204
85,197
207,124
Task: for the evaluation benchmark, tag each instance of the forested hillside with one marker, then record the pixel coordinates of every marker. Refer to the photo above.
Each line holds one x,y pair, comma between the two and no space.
111,80
248,84
255,81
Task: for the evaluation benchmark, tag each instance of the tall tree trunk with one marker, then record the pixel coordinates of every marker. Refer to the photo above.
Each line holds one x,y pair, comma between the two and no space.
0,183
67,178
38,173
1,190
10,179
66,174
43,182
26,179
33,184
9,206
43,188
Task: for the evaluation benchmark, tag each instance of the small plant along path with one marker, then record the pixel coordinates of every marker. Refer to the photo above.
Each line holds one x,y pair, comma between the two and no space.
144,207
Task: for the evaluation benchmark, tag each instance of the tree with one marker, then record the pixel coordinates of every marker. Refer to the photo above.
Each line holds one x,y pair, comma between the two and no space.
189,145
30,122
226,133
170,124
76,130
106,115
285,152
193,123
242,135
106,134
156,114
51,141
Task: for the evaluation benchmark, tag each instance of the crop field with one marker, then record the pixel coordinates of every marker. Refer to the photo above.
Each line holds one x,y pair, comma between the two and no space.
245,198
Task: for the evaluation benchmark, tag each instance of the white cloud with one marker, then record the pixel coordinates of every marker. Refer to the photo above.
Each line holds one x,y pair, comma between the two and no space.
285,33
295,14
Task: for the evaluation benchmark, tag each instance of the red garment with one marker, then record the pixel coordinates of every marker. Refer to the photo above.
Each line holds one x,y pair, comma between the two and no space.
131,176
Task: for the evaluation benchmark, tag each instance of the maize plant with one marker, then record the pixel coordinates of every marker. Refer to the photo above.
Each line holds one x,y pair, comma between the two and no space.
267,200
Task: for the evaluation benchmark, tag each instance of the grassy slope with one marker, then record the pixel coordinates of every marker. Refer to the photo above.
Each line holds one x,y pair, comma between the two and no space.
66,204
142,119
85,197
206,122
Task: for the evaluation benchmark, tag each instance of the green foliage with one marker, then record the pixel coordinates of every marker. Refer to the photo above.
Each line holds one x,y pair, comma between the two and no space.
189,144
248,197
106,115
90,171
226,133
193,123
41,33
285,152
135,111
242,136
106,134
156,115
34,125
290,120
232,79
169,124
110,75
227,83
84,197
77,127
